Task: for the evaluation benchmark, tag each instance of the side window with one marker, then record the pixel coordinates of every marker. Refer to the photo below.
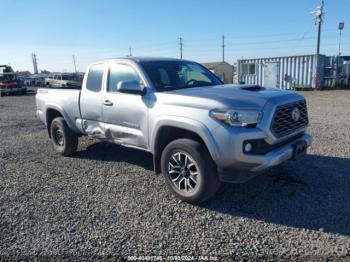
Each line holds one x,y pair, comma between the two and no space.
198,76
187,74
248,69
164,77
119,72
94,78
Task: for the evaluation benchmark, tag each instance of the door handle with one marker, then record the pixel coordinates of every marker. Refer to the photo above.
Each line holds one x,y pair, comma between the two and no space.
108,103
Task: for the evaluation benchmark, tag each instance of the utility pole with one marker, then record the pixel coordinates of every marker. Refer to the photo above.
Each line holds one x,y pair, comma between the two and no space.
318,14
35,63
75,66
338,65
340,27
181,44
223,48
130,51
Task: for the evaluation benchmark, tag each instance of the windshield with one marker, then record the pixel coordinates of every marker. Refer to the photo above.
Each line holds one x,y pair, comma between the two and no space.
173,75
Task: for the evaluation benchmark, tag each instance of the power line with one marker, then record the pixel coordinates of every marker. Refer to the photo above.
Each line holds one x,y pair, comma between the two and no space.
265,42
237,46
255,36
203,45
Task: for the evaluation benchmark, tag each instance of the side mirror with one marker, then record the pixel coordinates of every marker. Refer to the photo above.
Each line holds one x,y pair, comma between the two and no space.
130,87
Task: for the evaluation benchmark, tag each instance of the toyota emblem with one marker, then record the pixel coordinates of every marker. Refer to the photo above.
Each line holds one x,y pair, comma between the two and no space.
295,114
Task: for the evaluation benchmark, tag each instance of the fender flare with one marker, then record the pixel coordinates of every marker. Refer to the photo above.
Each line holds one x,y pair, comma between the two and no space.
188,124
64,114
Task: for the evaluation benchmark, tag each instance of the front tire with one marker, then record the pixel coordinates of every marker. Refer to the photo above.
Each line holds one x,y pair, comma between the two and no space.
64,140
189,171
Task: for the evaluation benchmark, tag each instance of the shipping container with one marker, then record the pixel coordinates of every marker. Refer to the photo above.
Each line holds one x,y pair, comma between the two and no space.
286,72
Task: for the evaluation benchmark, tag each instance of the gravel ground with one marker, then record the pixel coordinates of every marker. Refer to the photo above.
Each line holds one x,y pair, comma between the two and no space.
105,200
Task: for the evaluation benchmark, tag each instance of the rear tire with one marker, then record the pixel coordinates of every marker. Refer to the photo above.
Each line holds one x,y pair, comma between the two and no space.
189,171
64,140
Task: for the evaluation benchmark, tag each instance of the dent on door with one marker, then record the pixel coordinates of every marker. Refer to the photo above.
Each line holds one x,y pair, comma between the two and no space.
126,121
125,114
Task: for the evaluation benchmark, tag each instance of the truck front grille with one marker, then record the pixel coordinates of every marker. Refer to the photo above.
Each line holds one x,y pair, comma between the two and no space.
283,122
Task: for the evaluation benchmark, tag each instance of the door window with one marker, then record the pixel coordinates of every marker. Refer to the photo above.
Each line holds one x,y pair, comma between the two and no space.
118,73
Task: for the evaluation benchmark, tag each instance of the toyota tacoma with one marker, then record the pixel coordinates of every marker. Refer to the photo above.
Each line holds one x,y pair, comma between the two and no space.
200,131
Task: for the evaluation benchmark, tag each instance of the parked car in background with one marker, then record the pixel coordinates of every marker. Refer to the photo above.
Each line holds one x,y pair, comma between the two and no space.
22,79
48,79
39,81
64,80
9,82
200,132
32,80
28,81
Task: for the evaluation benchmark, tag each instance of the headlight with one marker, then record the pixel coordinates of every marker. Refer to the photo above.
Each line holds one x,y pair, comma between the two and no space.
237,118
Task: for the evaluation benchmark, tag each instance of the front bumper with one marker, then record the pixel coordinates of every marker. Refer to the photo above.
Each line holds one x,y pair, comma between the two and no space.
236,166
281,154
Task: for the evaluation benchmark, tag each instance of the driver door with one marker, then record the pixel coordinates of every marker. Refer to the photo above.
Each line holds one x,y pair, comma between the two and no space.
125,115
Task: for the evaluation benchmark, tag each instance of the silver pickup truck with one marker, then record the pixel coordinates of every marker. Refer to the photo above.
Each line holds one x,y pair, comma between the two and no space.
200,131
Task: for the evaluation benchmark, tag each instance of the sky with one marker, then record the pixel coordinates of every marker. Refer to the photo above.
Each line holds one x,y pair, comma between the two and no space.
56,30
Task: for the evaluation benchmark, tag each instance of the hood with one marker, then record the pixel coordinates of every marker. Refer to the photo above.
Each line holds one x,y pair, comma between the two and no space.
227,96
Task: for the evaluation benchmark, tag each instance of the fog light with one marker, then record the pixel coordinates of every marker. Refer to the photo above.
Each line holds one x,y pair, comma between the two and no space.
248,147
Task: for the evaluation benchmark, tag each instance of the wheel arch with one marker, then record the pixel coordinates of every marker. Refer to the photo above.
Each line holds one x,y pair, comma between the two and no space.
168,130
53,111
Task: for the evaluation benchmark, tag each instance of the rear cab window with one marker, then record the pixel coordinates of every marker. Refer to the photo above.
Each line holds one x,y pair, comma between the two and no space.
94,78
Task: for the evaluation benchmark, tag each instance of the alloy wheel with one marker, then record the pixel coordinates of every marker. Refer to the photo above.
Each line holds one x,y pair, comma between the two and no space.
183,172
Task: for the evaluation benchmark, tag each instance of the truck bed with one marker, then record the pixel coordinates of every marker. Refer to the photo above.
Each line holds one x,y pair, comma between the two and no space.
66,101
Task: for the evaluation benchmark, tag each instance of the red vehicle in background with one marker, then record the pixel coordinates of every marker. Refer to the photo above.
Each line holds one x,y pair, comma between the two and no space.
9,82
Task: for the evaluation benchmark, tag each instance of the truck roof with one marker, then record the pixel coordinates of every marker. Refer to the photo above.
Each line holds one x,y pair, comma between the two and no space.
150,59
139,59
